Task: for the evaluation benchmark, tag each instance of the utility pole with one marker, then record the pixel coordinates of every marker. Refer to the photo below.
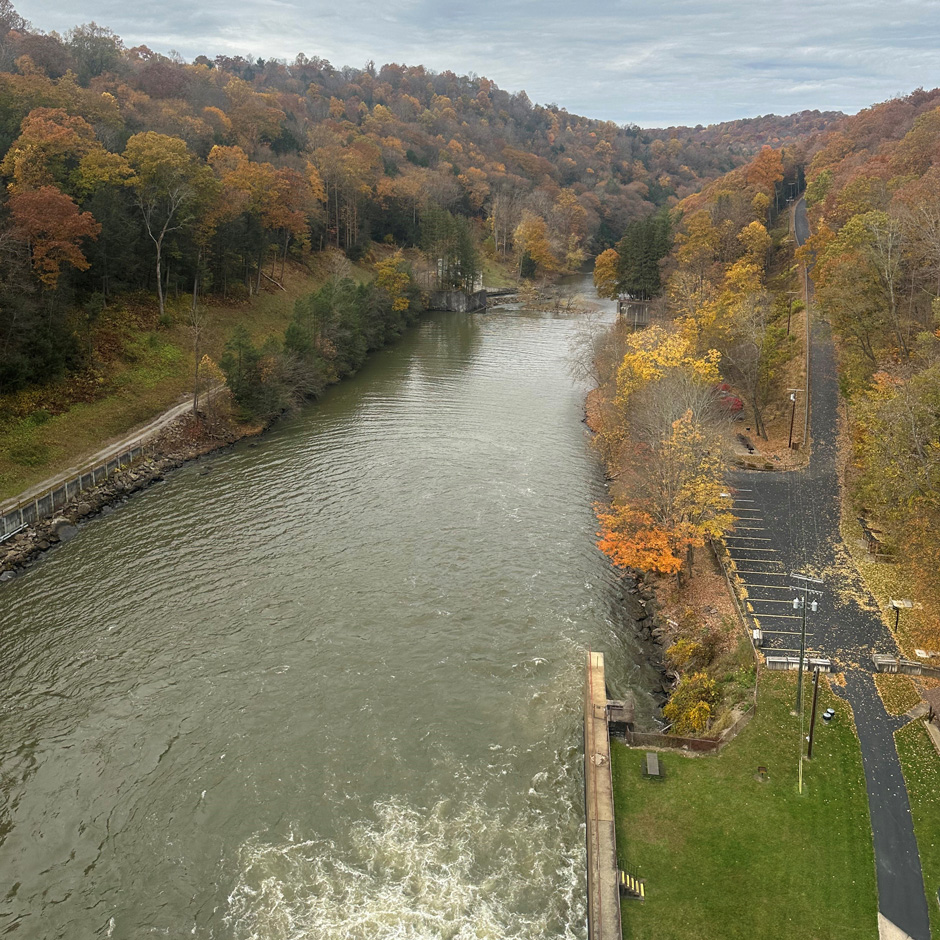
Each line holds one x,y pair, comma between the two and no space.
790,295
812,718
808,586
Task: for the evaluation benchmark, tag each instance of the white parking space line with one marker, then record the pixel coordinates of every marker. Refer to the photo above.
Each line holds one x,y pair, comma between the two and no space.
755,574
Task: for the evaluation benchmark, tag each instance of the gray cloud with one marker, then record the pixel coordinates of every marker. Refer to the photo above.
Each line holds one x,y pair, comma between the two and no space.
659,63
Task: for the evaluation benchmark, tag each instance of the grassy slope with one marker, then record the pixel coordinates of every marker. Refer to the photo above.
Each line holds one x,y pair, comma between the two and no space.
922,775
153,370
726,856
150,370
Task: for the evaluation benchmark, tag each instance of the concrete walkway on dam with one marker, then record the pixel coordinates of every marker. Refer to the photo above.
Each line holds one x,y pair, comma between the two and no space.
603,871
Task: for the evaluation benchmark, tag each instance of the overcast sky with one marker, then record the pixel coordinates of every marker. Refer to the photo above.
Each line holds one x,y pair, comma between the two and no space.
656,63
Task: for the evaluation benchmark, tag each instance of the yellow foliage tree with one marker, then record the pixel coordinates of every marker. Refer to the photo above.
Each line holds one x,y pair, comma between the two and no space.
393,277
531,238
673,493
656,351
607,273
690,707
756,244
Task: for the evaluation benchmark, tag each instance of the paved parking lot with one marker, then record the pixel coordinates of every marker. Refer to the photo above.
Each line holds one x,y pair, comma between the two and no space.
759,562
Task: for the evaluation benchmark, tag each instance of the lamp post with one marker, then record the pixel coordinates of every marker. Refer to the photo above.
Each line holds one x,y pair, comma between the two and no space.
799,603
792,416
898,607
793,393
812,714
806,584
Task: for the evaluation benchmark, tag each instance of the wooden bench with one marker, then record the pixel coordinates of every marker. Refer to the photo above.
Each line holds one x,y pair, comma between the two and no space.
871,536
652,768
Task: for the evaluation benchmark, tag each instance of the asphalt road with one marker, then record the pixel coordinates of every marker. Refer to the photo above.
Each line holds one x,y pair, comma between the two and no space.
789,522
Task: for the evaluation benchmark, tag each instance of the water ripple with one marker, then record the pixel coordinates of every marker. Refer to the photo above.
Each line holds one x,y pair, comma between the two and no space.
331,688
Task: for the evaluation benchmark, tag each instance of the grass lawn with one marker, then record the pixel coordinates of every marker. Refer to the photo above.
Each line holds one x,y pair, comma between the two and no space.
897,691
922,773
726,856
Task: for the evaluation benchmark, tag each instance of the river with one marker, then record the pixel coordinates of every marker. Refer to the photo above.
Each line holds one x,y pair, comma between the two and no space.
326,685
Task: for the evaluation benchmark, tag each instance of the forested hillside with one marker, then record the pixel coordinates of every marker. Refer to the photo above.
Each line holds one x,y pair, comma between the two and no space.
128,171
874,196
716,269
715,272
746,136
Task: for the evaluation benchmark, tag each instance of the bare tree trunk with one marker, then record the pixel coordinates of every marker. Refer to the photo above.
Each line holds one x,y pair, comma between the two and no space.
758,418
158,243
196,328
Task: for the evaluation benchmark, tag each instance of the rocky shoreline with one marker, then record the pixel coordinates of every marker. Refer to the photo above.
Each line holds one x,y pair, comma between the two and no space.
640,608
186,439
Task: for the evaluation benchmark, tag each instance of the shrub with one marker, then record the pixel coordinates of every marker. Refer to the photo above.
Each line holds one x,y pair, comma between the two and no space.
684,654
690,707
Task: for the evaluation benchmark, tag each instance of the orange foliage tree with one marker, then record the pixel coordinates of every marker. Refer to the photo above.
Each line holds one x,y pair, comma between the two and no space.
632,539
49,221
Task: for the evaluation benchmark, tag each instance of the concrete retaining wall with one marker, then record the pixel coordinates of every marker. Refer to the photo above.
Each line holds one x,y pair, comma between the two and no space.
457,301
695,745
792,663
903,666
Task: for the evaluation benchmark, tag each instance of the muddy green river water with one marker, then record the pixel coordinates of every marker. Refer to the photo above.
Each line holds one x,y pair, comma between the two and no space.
330,689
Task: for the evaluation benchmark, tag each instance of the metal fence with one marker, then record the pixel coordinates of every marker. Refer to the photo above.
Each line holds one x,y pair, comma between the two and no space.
36,508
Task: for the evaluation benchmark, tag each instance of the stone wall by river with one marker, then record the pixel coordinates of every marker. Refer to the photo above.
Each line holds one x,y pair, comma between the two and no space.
331,688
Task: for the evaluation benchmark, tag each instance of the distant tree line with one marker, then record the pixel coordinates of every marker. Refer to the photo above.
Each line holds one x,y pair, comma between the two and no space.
126,171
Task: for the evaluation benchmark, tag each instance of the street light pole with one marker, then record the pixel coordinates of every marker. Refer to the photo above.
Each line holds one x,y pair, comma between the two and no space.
793,393
812,717
792,416
805,583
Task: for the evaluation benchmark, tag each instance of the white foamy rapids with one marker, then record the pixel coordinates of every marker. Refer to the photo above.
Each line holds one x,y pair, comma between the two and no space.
454,873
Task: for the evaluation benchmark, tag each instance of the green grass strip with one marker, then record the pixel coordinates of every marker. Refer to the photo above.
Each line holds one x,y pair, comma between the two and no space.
921,766
728,856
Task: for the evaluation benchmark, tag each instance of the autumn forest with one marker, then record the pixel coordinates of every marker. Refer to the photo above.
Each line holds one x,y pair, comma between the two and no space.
142,186
725,273
127,171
